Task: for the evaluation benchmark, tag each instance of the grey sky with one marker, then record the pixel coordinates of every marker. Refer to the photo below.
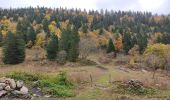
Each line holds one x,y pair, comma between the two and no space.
155,6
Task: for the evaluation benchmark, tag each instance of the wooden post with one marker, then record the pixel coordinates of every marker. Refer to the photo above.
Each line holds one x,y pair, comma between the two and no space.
91,80
110,78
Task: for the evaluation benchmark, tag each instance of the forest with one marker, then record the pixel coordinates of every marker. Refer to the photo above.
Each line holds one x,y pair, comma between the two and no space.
75,54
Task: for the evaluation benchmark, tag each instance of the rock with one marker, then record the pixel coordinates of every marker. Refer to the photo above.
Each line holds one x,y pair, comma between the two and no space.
2,93
8,88
2,86
16,92
12,83
24,90
19,84
47,96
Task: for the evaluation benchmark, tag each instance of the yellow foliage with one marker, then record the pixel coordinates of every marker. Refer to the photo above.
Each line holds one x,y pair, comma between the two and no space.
58,32
40,39
65,24
158,49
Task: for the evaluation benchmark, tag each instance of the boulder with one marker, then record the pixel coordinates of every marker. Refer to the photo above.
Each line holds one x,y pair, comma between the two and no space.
24,90
19,84
2,93
11,83
2,86
8,88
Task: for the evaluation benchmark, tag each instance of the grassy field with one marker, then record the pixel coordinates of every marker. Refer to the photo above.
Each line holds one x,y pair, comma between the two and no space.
93,82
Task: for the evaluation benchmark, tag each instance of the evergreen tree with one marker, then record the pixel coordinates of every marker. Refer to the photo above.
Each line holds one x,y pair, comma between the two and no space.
52,47
45,24
14,49
69,42
1,37
21,29
142,41
127,42
31,35
110,47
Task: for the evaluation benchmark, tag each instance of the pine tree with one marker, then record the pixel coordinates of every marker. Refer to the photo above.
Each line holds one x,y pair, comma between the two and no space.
127,42
14,49
31,35
1,37
69,42
142,42
52,47
110,47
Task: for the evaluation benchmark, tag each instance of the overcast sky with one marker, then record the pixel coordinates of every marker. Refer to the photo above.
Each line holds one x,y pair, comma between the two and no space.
155,6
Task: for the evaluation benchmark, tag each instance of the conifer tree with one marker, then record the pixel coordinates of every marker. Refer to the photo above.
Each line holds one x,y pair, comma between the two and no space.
52,47
13,49
127,42
69,42
31,35
142,42
110,47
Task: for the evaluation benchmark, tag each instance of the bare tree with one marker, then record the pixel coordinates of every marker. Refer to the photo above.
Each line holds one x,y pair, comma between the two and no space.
86,45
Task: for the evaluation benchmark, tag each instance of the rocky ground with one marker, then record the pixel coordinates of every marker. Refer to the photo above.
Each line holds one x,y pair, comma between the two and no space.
10,88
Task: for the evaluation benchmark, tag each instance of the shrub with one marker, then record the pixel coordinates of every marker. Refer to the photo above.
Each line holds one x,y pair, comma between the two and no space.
58,86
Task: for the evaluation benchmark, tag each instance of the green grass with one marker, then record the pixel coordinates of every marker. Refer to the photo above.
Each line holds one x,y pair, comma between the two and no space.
58,85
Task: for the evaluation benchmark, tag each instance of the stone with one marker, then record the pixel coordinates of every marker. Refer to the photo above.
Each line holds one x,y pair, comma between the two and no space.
8,88
12,83
16,92
1,88
2,93
3,85
19,84
24,90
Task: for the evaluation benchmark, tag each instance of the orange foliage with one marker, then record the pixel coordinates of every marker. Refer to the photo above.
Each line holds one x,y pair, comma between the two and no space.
118,43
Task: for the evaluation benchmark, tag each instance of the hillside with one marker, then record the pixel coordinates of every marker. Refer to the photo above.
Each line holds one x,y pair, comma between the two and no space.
73,54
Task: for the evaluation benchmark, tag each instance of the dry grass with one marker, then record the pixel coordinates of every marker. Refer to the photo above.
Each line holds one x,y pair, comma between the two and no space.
81,74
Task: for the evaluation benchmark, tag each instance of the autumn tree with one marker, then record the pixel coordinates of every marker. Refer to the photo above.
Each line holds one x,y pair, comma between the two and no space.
156,56
118,43
14,49
85,47
110,46
52,47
